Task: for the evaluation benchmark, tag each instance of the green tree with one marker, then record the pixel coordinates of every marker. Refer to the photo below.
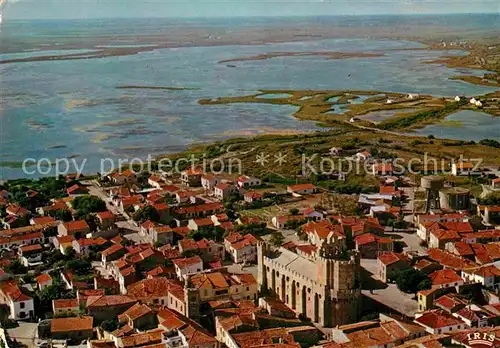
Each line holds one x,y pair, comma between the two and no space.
294,211
87,204
491,199
52,292
62,215
16,267
146,213
79,266
109,325
92,221
277,239
412,280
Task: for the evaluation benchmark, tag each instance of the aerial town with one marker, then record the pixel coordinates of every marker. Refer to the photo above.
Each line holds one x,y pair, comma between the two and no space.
145,259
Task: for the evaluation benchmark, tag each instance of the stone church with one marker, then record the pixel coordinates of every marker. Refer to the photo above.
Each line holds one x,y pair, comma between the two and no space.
320,282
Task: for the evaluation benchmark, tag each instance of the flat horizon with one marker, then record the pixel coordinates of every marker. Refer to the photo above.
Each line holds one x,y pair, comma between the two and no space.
260,17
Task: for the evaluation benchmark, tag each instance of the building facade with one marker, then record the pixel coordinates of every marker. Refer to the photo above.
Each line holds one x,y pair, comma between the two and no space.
324,288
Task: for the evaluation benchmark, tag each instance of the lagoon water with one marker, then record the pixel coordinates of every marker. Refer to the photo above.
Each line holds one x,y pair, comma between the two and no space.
73,108
467,125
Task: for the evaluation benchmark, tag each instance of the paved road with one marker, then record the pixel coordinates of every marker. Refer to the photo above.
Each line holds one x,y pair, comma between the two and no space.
411,240
127,225
403,303
378,130
24,333
387,294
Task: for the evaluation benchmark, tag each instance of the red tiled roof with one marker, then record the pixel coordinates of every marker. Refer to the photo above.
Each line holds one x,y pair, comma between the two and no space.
186,194
460,227
108,301
189,261
15,209
486,271
203,222
71,324
449,260
389,258
160,207
247,240
445,235
463,249
301,187
42,220
193,171
200,208
153,288
113,249
323,229
437,319
449,302
66,239
382,167
307,249
105,215
76,187
253,195
444,276
222,186
154,178
143,338
77,225
43,278
368,238
32,247
91,241
26,237
66,303
135,312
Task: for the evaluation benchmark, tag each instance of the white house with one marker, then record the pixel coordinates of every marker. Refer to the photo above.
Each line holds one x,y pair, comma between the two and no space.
463,169
209,181
495,184
363,156
439,321
248,181
185,197
474,316
445,278
252,196
223,191
127,176
21,305
186,266
457,98
302,189
241,248
155,181
335,151
43,280
489,276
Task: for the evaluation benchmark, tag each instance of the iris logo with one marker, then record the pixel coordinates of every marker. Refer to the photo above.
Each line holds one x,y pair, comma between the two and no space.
481,339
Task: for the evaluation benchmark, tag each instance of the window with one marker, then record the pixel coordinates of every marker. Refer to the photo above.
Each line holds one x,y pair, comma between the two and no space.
248,288
22,305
